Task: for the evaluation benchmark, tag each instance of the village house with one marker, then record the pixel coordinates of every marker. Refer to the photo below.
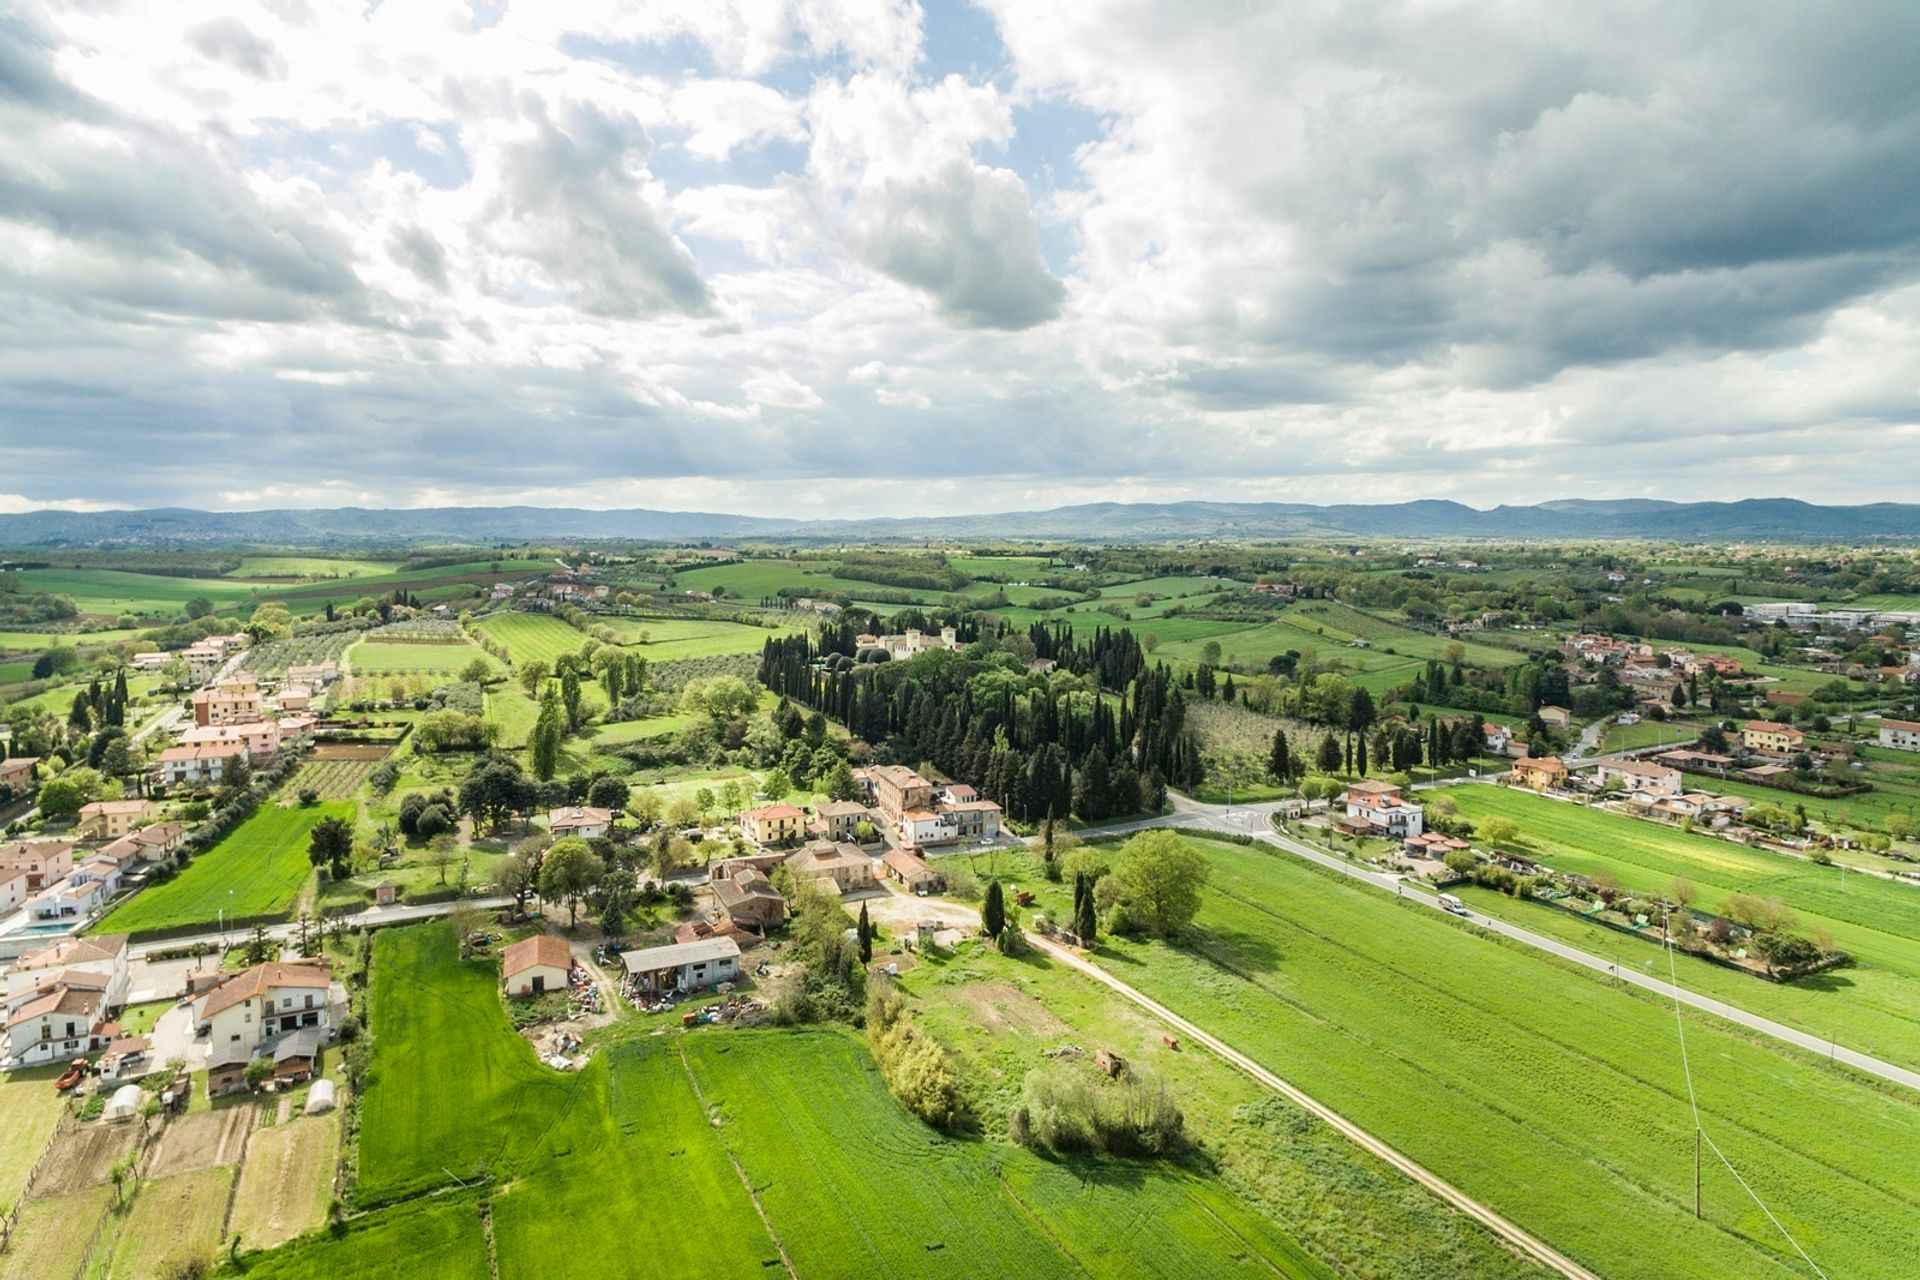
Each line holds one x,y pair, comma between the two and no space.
13,888
1640,777
845,866
104,956
1765,735
65,1022
1381,809
158,839
580,820
17,775
533,966
256,1006
1901,735
774,824
747,897
229,702
111,819
1558,719
1696,806
314,675
1540,773
43,861
901,647
896,789
261,738
683,966
72,900
912,871
201,766
841,819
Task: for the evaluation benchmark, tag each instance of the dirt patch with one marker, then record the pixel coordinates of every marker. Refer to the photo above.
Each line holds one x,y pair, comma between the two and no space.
350,751
202,1140
1000,1006
82,1156
286,1181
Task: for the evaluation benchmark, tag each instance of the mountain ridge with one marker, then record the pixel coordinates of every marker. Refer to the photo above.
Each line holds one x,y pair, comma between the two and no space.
1754,519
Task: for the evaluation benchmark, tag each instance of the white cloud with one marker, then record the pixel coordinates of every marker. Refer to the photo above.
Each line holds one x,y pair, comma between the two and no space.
749,253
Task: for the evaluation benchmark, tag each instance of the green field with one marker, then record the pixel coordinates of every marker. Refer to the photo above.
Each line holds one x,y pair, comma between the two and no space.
667,639
35,641
754,580
257,870
636,730
310,567
1875,1002
811,1123
580,1157
114,591
531,637
436,1018
1550,1094
1891,603
441,1238
29,1110
440,581
378,657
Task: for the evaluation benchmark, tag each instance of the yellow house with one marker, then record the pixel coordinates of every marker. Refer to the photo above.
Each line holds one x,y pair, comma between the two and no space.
1764,735
774,824
1558,719
1539,773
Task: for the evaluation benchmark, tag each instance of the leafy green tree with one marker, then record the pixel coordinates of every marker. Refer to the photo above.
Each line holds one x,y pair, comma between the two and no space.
776,785
330,845
478,671
532,675
569,871
1159,877
63,797
609,793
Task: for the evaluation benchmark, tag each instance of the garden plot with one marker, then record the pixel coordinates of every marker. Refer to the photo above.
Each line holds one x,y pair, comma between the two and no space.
171,1223
286,1181
82,1157
52,1238
202,1139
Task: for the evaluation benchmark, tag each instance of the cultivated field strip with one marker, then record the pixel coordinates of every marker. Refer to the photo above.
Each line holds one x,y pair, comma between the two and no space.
1555,1099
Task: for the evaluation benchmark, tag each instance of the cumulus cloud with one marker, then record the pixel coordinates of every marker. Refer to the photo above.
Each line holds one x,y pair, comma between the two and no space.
777,254
896,166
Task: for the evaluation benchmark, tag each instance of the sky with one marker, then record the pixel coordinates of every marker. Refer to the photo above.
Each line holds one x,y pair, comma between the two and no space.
860,257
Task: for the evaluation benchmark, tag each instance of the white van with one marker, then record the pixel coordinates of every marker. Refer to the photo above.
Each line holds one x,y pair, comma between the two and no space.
1450,903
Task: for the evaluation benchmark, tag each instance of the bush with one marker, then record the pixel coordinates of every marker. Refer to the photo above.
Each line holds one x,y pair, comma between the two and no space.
1062,1109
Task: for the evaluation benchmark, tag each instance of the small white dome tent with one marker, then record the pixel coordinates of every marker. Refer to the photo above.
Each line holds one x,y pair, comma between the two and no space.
320,1097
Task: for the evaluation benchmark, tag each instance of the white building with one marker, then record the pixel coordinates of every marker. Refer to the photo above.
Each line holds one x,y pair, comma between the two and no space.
1640,777
1382,809
261,1004
684,966
1901,735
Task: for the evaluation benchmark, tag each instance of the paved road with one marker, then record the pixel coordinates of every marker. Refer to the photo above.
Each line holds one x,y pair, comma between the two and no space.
1513,1234
372,917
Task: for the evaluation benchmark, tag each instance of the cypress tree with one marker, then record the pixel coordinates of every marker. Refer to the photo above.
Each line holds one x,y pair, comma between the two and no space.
993,918
866,936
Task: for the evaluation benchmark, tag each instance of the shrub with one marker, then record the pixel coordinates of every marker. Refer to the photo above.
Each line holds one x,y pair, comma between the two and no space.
1062,1109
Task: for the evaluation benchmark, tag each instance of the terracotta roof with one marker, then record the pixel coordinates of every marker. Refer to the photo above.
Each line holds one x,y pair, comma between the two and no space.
69,1000
1905,726
114,806
72,951
541,950
842,809
262,978
1539,762
771,812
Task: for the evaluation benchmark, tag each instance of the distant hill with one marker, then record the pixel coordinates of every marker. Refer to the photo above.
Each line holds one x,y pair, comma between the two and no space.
1759,519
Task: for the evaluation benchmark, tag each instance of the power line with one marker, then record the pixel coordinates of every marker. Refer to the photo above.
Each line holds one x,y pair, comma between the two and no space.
1699,1131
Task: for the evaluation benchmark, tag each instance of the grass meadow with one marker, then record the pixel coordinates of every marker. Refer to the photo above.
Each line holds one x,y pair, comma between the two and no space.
533,637
662,1121
1551,1095
1874,1002
258,869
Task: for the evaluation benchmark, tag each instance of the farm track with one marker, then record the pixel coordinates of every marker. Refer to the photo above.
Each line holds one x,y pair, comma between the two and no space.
1514,1235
